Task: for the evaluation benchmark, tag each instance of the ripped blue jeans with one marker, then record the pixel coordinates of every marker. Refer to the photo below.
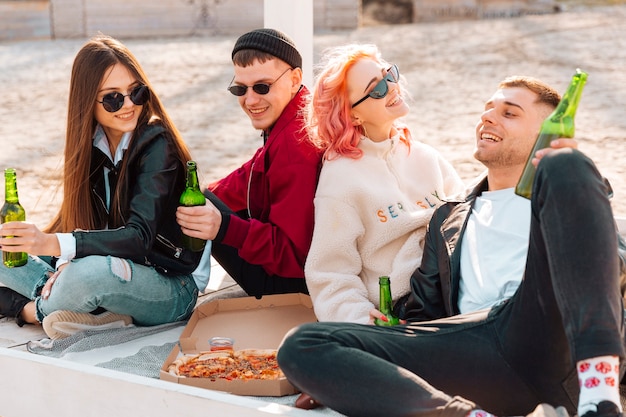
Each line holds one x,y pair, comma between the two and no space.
118,285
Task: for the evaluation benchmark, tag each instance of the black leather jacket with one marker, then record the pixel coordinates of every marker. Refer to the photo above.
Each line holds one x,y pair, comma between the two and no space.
435,285
150,235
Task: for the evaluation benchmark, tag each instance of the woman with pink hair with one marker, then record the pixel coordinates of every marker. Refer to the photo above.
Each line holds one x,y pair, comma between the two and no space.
377,189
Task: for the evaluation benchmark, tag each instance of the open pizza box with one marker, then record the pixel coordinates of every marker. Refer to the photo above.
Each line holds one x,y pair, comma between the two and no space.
253,324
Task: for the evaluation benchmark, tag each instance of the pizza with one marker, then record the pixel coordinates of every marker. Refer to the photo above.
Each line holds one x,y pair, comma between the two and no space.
247,364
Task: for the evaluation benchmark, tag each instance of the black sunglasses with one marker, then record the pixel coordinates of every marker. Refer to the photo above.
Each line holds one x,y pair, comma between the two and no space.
381,89
259,88
112,102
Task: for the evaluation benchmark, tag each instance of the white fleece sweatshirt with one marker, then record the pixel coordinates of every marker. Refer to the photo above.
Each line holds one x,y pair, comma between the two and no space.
371,215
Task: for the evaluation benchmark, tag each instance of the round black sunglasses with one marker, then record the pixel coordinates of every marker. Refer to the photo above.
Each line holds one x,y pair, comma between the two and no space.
112,102
381,88
259,88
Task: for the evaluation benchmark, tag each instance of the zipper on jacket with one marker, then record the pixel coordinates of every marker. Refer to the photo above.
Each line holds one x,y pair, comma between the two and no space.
265,136
102,202
166,242
249,190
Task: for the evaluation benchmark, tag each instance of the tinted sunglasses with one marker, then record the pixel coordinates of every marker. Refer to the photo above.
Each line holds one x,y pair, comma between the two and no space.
381,88
112,102
259,88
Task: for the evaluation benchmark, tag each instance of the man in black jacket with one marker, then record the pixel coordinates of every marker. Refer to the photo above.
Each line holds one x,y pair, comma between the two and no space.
516,302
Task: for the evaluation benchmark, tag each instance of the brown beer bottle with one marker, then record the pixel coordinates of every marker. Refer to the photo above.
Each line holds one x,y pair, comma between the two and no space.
192,196
560,124
12,210
386,304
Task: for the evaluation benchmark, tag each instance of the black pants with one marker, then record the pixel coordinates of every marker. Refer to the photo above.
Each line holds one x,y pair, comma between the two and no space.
506,360
251,278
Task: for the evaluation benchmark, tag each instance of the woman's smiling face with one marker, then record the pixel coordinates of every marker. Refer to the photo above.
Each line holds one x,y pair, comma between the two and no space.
375,115
118,79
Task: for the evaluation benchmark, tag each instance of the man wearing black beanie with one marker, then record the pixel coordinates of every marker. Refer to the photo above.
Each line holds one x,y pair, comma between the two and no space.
260,216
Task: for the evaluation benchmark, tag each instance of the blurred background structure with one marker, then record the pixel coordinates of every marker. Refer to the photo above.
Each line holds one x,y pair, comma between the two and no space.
450,56
59,19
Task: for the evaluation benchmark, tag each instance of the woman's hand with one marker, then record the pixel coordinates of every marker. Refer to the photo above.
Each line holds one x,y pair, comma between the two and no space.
555,144
47,288
26,237
375,314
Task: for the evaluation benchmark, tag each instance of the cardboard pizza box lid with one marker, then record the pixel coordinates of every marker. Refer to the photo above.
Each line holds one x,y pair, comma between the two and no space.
253,324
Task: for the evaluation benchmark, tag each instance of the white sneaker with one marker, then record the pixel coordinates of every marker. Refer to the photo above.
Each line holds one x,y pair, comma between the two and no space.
63,323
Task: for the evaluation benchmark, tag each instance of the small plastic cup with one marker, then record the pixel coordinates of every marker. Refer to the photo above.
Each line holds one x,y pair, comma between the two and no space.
221,343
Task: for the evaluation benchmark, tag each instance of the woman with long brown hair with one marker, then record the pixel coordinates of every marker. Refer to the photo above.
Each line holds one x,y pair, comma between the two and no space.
114,251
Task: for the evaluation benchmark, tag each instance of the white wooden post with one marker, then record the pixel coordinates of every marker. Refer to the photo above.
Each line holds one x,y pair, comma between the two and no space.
295,18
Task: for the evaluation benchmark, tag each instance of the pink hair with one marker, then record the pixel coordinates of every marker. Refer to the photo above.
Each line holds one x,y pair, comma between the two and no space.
329,120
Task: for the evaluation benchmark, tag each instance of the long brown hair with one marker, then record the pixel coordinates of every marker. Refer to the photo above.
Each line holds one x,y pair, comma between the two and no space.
90,65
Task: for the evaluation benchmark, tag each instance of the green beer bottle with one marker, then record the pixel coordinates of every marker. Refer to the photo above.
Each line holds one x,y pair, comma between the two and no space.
386,305
560,124
192,196
12,210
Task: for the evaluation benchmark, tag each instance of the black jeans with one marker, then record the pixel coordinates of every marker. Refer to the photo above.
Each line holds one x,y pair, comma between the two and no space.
505,360
251,278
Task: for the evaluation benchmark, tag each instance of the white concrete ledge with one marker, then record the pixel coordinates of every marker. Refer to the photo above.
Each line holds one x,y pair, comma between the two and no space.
33,385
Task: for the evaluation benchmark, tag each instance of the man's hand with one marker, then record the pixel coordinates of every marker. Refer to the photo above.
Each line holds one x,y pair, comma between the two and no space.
199,221
555,144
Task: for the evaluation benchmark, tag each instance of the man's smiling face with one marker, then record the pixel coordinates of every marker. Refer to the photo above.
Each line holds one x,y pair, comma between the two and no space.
264,109
508,127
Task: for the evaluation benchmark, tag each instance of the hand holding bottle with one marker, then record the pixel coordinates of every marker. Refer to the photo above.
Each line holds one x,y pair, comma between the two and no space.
559,124
192,197
199,221
555,144
377,316
12,210
386,317
26,237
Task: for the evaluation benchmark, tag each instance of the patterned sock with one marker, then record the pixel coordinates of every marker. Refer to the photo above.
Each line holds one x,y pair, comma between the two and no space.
479,413
599,381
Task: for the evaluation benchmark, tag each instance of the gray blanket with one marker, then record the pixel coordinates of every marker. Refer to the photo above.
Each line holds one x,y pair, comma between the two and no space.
147,360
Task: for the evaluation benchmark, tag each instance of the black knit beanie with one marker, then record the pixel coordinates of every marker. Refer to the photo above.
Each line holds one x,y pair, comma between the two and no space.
273,42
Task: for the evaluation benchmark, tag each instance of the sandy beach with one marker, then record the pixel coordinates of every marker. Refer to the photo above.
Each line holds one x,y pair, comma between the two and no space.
451,68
